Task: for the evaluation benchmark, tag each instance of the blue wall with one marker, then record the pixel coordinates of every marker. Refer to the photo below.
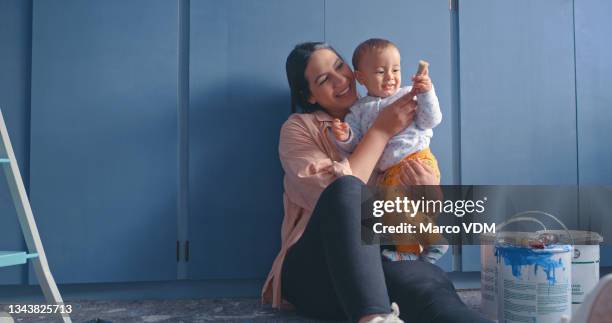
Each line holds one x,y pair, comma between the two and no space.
104,138
518,106
157,121
404,26
594,116
15,44
237,92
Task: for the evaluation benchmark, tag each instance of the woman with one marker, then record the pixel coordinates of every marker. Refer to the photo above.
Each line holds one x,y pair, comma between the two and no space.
322,268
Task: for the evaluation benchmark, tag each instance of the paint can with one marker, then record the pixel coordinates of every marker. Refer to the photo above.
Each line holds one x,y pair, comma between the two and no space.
534,285
585,264
488,271
534,275
488,266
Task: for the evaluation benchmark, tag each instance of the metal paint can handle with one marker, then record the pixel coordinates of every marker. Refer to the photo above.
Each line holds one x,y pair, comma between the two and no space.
523,214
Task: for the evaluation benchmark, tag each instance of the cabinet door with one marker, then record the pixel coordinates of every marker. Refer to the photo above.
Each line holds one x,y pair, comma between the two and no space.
518,113
14,100
239,98
593,84
421,30
104,138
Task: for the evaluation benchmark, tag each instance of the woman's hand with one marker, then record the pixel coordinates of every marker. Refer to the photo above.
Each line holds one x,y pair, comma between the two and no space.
420,180
397,116
391,120
414,172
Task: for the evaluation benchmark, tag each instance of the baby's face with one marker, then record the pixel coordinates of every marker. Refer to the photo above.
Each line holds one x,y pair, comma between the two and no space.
380,73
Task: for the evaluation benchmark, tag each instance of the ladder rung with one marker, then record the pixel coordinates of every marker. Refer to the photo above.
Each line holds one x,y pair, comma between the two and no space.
11,258
4,160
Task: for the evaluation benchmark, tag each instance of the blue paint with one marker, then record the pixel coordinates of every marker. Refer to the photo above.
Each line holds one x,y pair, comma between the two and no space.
517,257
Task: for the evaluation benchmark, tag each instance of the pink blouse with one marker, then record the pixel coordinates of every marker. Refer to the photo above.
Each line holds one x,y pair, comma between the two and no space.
311,162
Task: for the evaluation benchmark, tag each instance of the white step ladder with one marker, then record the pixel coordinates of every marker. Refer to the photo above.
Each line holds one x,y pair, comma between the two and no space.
35,252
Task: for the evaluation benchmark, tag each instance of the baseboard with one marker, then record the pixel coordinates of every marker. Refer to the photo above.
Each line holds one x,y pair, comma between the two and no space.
180,289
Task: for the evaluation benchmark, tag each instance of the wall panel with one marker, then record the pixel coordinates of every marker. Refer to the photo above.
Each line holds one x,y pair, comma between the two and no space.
15,30
239,99
518,112
104,138
421,30
594,98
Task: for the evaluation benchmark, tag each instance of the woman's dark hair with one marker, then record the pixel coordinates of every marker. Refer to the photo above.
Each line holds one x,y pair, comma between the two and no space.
296,66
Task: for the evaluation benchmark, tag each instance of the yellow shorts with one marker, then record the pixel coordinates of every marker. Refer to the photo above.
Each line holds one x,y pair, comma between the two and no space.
392,174
391,177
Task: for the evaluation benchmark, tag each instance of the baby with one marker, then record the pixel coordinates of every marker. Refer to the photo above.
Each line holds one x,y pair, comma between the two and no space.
377,67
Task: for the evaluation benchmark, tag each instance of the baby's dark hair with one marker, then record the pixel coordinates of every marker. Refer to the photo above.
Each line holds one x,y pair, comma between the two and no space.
367,46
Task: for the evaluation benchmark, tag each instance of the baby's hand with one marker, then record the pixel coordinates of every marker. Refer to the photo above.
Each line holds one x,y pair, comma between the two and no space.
421,81
341,130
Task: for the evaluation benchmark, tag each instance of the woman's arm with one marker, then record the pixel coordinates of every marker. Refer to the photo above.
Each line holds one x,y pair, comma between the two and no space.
391,120
308,168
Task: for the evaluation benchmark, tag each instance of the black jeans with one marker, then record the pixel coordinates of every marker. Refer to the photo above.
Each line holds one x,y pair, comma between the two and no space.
329,274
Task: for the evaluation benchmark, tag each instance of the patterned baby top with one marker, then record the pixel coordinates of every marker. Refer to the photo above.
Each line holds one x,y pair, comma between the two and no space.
414,138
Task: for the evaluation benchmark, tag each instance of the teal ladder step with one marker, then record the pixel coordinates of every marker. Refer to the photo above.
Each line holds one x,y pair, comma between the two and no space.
4,161
10,258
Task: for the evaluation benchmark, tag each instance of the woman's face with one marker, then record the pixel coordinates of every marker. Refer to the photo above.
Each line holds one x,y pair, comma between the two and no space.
331,82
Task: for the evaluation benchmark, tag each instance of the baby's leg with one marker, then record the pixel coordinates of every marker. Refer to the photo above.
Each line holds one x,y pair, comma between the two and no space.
393,255
433,253
409,244
434,247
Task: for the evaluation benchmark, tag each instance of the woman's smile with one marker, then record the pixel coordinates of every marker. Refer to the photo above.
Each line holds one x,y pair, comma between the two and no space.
345,91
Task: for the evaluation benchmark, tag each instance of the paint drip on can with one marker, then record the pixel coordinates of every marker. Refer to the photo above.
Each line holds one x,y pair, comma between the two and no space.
533,279
488,269
585,263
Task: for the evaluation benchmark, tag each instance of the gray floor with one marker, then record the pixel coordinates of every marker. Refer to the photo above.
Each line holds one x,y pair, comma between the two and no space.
190,310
